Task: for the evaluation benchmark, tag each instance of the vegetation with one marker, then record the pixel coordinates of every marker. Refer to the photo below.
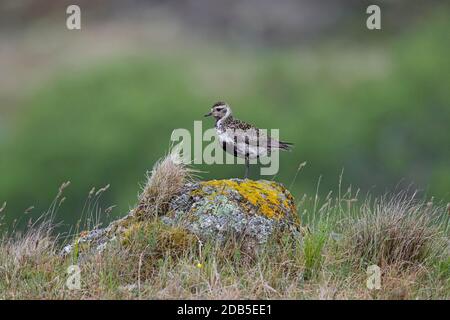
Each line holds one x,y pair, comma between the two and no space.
374,103
408,239
379,110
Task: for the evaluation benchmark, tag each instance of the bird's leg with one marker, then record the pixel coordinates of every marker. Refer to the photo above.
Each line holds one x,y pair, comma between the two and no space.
247,168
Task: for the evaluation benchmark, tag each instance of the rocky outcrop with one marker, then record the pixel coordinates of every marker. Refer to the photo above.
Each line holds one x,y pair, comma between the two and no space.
207,210
243,208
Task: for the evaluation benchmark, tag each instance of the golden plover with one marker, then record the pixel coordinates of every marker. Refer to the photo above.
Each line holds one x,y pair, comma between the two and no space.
240,138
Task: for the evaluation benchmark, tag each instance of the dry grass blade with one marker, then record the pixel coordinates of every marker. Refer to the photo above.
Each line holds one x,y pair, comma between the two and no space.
3,207
396,231
166,179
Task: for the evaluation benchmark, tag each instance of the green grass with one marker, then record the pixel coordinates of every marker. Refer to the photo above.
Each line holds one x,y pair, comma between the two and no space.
379,110
313,246
327,261
309,268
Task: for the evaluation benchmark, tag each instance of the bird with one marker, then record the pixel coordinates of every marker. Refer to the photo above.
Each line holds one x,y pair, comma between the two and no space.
242,139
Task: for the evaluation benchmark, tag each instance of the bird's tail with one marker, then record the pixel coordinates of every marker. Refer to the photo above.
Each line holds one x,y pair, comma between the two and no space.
287,146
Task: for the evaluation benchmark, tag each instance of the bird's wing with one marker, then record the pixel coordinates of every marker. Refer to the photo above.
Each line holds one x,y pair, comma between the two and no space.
257,137
246,133
252,137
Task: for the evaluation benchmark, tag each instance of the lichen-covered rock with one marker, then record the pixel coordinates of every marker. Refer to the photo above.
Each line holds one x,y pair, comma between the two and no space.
215,209
244,208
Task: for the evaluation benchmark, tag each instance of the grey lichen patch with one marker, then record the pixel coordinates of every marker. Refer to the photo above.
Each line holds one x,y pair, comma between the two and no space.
216,209
95,241
243,208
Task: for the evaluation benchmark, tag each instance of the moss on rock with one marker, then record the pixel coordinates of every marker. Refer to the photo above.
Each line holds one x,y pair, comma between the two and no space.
215,209
245,208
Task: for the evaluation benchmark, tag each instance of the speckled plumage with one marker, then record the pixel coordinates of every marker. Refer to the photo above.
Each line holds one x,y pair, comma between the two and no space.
234,124
241,138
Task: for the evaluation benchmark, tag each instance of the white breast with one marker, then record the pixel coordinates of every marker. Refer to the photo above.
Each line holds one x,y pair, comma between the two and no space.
227,138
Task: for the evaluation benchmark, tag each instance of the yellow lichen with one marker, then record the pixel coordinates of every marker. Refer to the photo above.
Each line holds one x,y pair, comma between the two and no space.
267,197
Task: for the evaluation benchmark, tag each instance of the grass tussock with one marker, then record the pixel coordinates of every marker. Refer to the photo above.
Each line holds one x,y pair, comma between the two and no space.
343,235
164,181
397,231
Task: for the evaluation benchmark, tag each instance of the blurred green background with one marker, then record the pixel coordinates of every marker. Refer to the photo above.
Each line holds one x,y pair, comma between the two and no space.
97,106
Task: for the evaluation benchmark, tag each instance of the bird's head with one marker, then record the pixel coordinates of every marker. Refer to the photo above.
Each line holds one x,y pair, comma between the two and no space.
219,110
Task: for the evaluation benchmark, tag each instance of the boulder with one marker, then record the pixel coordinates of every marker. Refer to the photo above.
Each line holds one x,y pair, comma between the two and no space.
243,208
206,210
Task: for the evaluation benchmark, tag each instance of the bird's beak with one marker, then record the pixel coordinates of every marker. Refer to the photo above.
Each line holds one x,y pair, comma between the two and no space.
208,114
